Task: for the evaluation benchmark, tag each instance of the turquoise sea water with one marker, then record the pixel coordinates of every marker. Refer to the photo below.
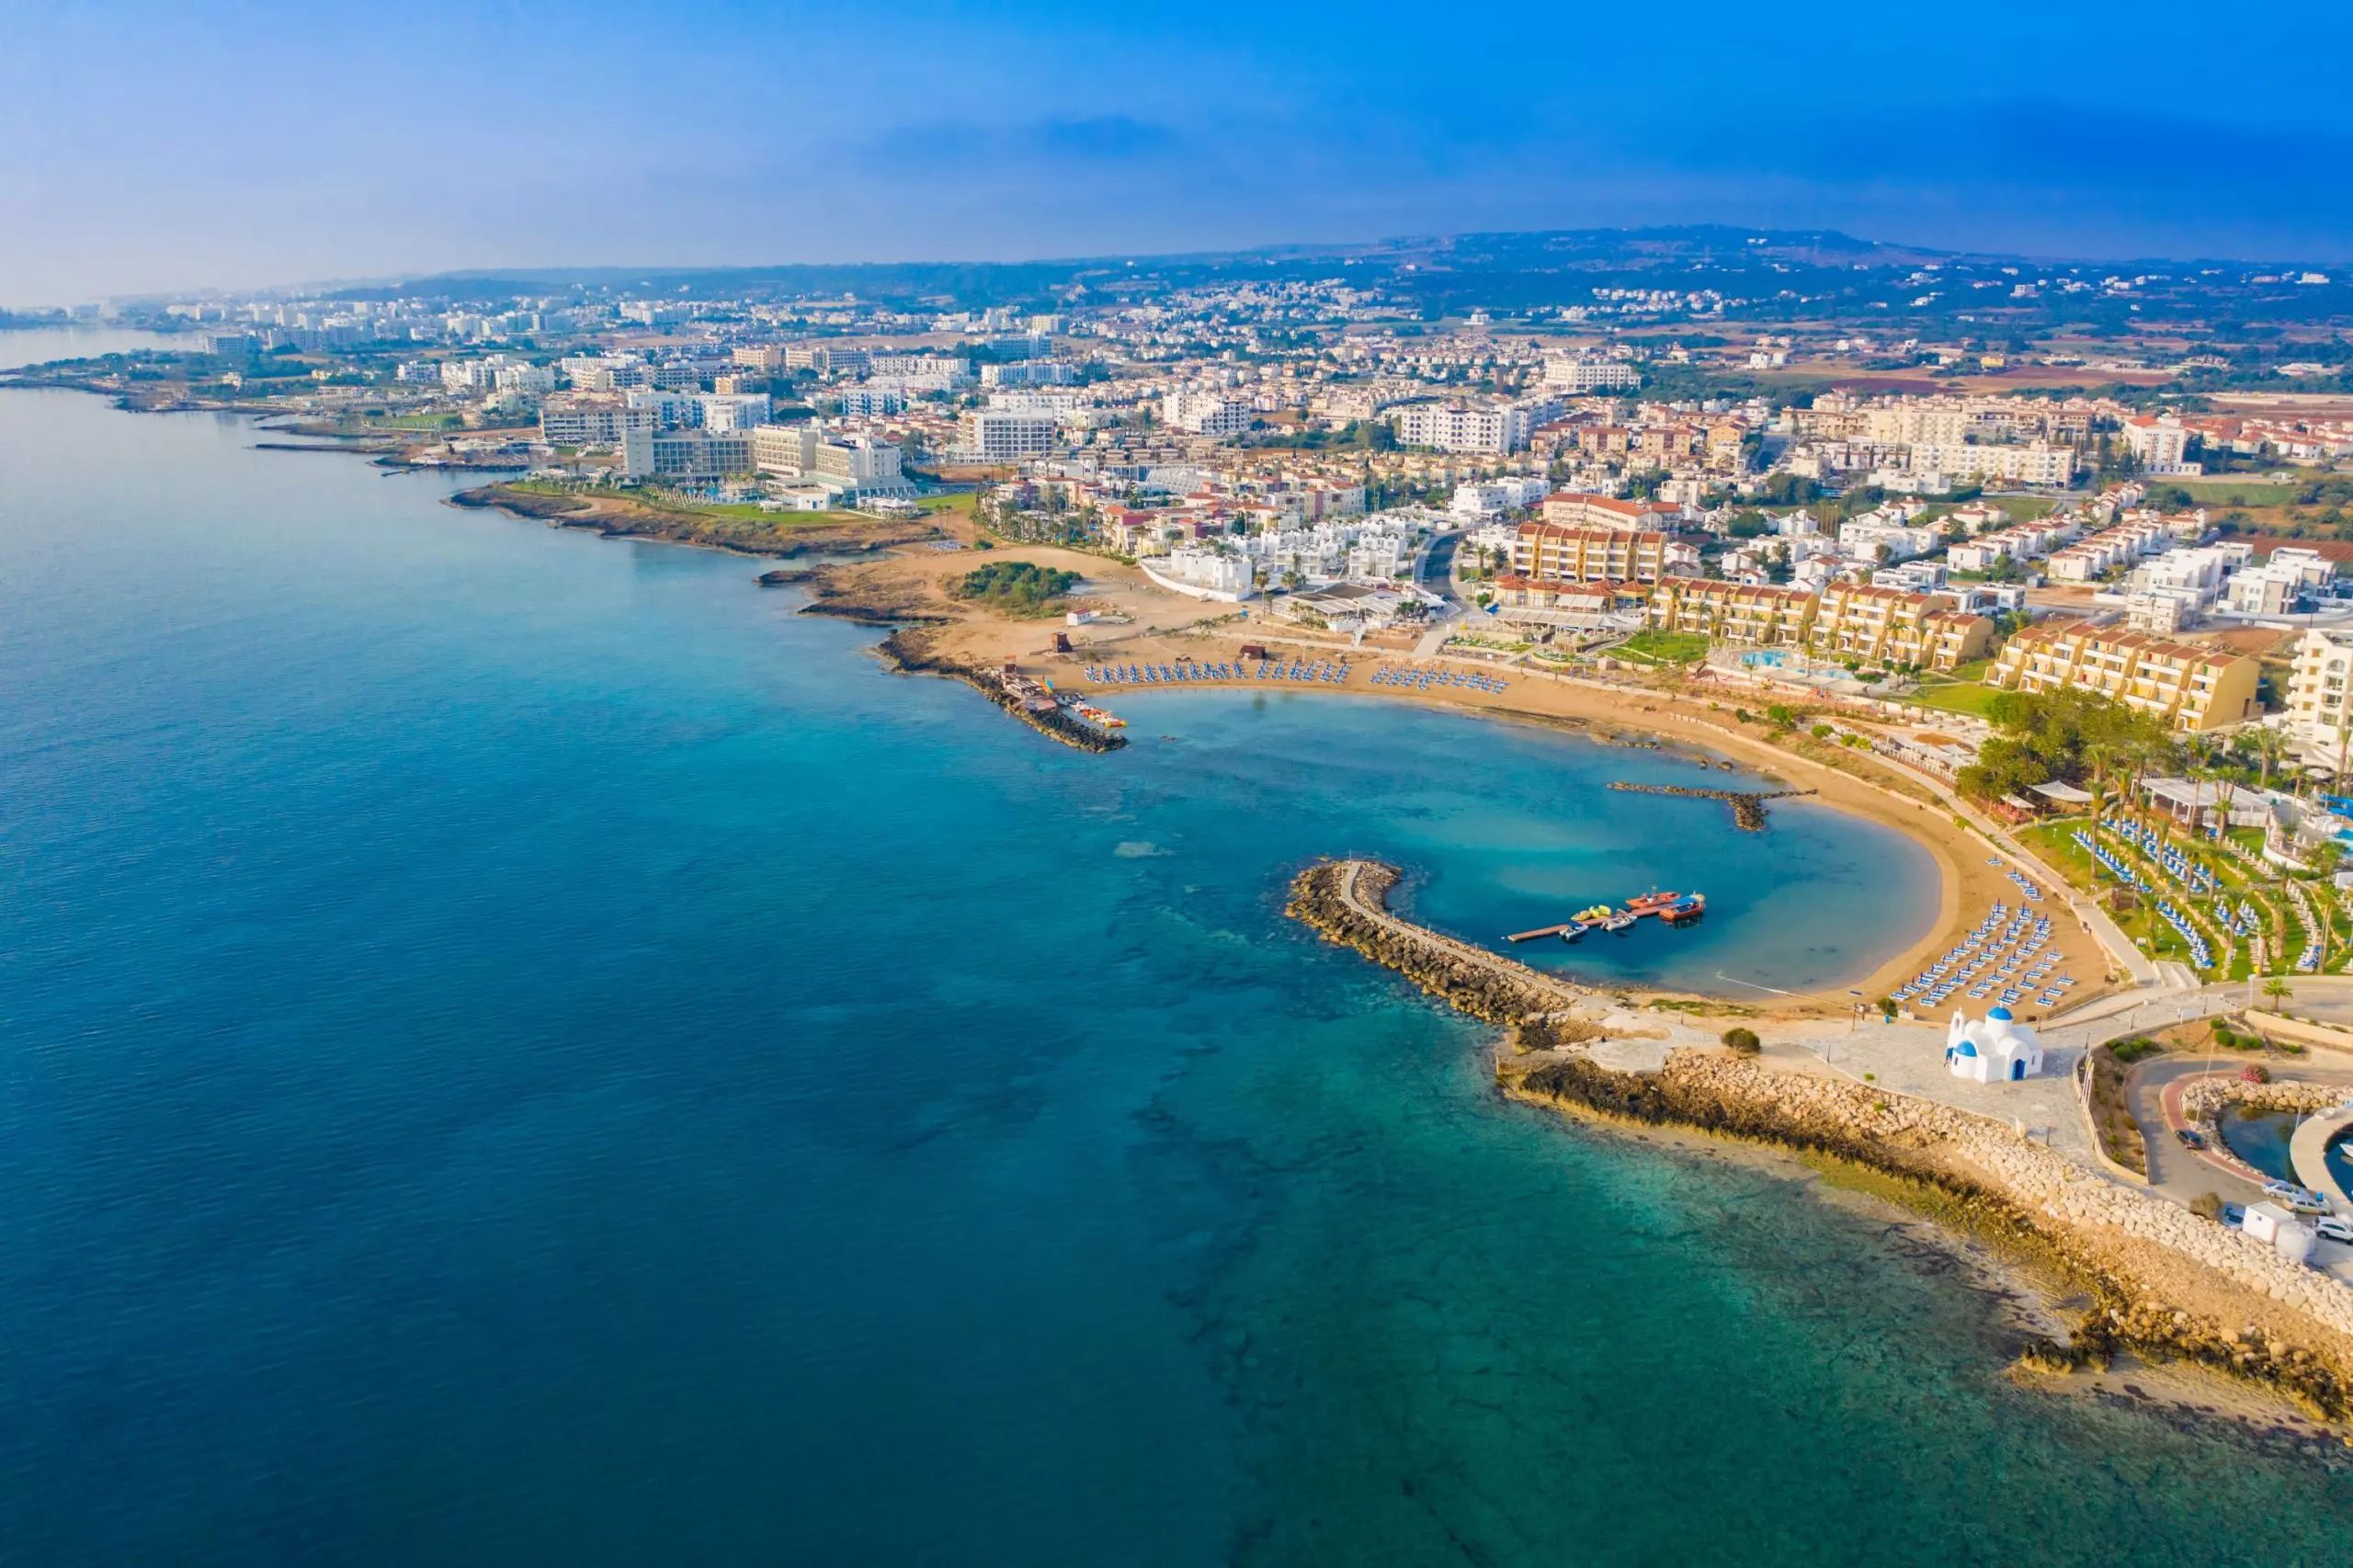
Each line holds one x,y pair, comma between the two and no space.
515,1047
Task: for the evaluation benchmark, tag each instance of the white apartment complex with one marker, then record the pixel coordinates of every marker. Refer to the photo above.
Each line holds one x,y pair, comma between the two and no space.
1581,375
1206,413
1461,427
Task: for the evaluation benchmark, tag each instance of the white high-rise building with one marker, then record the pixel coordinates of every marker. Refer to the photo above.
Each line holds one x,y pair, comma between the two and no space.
2319,717
734,411
1000,434
1459,427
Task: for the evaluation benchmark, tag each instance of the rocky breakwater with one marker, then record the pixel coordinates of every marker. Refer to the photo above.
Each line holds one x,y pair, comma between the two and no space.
1347,901
2165,1283
1748,806
904,652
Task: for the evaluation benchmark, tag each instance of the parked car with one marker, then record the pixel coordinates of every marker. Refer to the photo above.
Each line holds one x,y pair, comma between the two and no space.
2189,1137
2335,1228
2294,1197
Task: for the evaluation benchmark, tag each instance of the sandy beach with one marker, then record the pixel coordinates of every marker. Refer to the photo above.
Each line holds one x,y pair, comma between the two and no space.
1143,623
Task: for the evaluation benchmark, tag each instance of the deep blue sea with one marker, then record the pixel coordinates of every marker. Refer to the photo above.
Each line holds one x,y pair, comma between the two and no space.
515,1047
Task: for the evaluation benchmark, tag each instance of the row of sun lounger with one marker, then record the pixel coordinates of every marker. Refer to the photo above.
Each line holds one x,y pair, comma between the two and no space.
2003,959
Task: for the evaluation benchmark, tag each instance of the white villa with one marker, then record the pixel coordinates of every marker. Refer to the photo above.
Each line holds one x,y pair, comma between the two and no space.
1992,1050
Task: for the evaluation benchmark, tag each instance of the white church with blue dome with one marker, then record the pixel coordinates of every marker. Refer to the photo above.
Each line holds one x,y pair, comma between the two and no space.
1992,1050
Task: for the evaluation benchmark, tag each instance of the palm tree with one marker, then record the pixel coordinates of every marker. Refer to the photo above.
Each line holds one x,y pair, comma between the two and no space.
2270,744
2277,989
2097,754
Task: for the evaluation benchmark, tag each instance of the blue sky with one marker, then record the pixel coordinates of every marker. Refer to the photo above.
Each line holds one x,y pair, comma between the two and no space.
155,146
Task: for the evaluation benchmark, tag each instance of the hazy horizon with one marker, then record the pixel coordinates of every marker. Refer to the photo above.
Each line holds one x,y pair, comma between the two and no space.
261,144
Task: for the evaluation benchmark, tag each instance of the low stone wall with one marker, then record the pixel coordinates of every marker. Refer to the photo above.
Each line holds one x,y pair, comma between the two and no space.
2205,1097
2086,1106
2299,1030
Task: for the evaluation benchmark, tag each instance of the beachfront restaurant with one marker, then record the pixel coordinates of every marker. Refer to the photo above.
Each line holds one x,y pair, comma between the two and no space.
2064,799
2194,805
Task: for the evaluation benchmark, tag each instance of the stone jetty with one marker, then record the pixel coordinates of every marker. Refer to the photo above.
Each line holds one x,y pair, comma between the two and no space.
2163,1283
1748,806
1347,902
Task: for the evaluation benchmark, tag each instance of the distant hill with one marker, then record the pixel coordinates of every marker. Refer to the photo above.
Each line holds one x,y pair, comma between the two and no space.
1771,274
1492,259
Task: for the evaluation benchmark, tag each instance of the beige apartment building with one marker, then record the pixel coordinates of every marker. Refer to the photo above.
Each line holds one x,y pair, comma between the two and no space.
1548,552
1754,614
2189,685
1890,625
1871,625
1574,509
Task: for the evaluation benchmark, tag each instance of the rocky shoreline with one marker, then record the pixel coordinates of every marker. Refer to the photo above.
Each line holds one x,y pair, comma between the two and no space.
900,652
2158,1278
621,516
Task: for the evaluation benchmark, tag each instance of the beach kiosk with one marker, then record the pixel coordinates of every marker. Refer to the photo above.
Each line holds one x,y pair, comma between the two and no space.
1992,1050
2270,1223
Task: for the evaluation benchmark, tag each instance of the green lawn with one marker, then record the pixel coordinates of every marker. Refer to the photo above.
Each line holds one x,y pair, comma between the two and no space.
1665,647
1968,697
2056,843
2230,491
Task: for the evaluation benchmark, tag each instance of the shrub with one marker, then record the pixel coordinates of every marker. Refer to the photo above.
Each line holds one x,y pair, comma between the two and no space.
1744,1041
2207,1206
2130,1051
1018,586
2223,1035
2120,1135
2254,1073
1823,732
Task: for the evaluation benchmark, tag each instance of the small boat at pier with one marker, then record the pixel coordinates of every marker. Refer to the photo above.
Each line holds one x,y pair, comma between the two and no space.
1674,908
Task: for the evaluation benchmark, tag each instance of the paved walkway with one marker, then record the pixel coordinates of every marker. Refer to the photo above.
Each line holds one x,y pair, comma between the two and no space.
2308,1153
1910,1060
